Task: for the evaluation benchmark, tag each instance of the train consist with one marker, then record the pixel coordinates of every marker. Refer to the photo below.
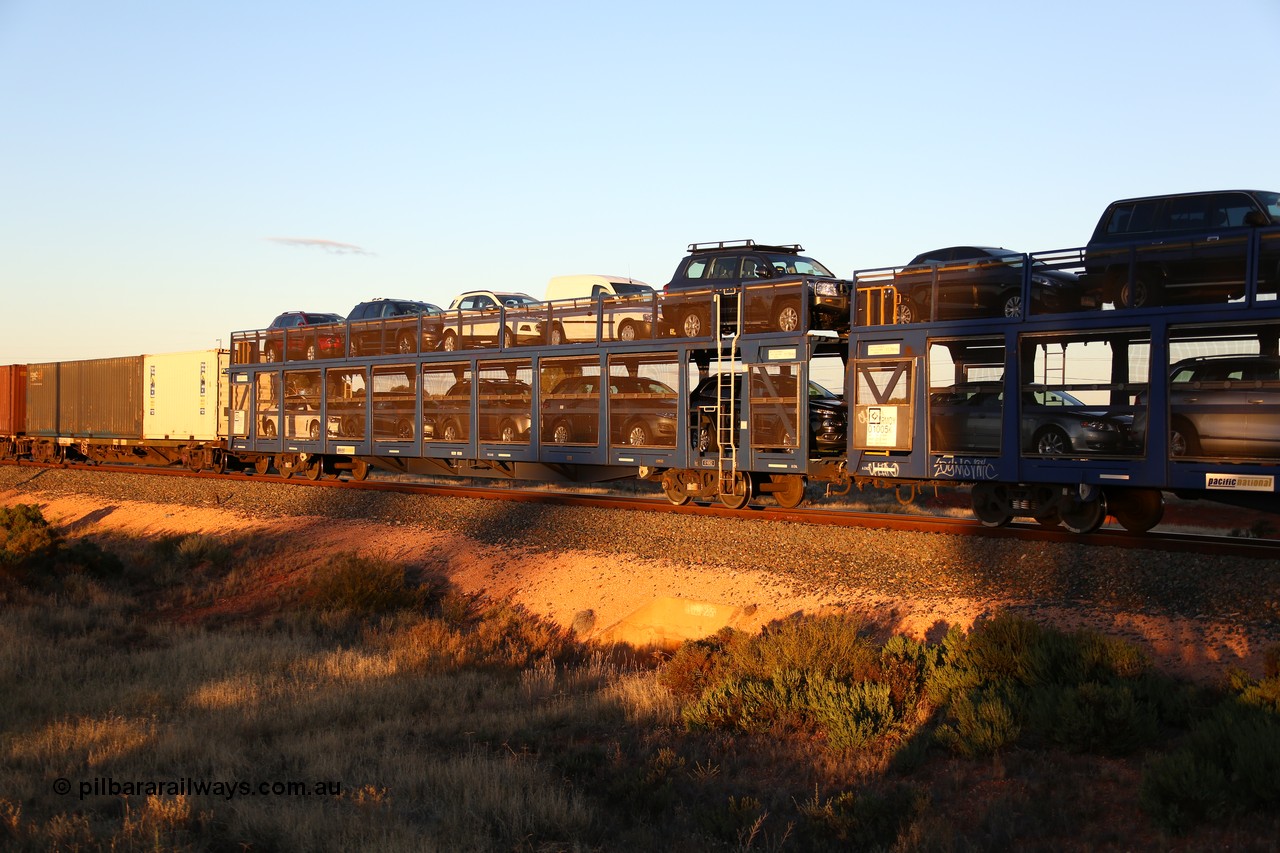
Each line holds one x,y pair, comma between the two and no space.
1054,390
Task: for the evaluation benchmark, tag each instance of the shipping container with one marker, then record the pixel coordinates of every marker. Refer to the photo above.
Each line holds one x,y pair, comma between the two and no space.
42,398
13,399
97,398
186,395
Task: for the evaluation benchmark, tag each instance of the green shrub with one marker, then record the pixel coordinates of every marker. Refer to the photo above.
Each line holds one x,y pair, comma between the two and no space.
981,723
852,715
26,538
1094,717
1229,763
360,584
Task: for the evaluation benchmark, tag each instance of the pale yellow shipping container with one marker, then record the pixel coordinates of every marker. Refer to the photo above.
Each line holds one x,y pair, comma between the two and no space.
185,395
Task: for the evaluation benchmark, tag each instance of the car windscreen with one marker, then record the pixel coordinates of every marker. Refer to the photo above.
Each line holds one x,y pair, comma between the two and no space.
797,265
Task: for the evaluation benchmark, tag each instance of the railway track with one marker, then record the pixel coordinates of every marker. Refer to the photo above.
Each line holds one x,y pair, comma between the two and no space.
1166,540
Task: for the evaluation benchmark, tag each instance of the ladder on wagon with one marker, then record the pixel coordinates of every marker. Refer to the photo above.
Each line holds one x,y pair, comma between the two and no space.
727,390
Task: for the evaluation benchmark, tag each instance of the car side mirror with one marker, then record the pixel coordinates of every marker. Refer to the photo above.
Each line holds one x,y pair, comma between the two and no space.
1257,219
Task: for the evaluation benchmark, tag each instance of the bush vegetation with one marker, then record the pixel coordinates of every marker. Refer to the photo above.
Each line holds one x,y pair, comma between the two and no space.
448,721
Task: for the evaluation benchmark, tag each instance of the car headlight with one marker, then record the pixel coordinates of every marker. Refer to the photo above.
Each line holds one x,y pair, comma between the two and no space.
1099,426
825,288
1045,281
667,416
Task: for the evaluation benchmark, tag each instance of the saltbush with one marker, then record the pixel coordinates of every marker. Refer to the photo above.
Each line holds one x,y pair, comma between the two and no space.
359,584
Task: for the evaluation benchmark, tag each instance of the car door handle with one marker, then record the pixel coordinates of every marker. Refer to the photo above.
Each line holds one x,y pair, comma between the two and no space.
1257,402
1212,238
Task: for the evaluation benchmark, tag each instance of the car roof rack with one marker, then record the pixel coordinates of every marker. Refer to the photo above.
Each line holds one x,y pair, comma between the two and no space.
793,248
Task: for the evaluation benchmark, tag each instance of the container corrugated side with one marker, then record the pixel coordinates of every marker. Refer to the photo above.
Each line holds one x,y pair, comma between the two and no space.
42,398
101,398
185,395
13,399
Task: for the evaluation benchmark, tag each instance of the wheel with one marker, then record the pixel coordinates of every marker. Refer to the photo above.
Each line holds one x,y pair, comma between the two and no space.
561,433
1012,306
451,432
1135,293
1137,510
507,432
787,317
268,428
286,465
638,435
693,324
404,343
990,504
907,311
556,338
1052,441
627,331
359,469
1183,440
404,429
742,492
262,464
313,468
788,490
1083,516
311,352
450,342
508,339
672,489
1049,520
271,353
313,429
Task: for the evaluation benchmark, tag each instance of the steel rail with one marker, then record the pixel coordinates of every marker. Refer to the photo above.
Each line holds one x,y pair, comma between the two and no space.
1167,541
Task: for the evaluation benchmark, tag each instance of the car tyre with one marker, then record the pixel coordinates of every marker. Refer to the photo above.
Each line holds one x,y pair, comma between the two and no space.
693,324
1136,293
507,432
627,331
561,433
450,342
451,432
1183,440
1011,307
787,317
1052,441
404,343
638,435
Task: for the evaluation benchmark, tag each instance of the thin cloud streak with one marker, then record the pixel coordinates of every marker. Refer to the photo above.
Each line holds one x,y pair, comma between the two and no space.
333,247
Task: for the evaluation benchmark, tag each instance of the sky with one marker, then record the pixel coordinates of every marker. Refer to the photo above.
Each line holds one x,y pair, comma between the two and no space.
173,172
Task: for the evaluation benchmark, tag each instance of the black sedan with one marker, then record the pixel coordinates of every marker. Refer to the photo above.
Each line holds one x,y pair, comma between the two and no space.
980,281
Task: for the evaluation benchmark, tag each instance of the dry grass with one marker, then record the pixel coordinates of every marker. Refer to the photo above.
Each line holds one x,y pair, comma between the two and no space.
431,720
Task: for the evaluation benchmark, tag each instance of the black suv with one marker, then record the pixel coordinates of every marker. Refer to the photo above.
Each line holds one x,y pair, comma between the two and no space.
1179,249
774,277
374,332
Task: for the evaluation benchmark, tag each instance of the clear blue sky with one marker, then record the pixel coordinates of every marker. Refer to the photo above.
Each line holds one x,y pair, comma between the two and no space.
171,171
